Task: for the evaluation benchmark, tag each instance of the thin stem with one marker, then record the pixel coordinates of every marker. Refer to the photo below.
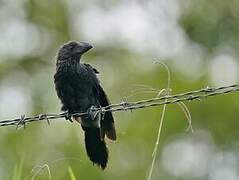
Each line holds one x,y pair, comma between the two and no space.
154,154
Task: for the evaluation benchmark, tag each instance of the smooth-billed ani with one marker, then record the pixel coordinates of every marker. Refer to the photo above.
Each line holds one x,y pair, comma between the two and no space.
79,89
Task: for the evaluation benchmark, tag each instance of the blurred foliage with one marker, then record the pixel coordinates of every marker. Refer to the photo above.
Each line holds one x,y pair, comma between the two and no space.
213,23
26,87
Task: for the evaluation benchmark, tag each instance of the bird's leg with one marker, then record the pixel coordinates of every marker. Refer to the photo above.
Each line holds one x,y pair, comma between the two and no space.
78,119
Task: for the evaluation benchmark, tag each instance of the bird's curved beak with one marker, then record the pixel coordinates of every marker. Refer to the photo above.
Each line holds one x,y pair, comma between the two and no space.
84,47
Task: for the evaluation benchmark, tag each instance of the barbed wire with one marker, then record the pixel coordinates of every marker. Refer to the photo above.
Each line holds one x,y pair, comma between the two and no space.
125,105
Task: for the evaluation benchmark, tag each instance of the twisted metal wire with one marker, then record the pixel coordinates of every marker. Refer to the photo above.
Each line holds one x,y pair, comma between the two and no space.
124,106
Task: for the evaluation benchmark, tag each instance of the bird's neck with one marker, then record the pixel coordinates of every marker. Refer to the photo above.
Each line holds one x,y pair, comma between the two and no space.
68,65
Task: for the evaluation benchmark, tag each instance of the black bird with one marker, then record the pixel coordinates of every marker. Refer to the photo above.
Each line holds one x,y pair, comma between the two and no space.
79,89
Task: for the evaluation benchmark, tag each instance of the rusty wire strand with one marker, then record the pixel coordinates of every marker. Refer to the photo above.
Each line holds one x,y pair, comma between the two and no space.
125,105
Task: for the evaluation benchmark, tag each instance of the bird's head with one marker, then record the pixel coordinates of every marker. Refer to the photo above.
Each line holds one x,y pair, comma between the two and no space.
73,50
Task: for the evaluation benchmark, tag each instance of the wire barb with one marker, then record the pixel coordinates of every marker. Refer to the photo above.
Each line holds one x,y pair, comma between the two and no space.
68,116
125,105
21,122
44,116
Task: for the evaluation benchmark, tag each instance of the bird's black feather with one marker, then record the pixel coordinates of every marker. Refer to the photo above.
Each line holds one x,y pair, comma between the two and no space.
79,89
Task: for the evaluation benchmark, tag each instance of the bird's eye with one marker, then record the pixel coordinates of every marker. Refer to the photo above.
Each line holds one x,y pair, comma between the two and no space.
71,47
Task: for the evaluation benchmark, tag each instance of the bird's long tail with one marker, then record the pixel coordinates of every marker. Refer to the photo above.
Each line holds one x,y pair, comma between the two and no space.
96,147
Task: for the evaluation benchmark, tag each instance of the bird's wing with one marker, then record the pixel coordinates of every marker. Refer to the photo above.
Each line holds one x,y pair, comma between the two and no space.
92,68
107,123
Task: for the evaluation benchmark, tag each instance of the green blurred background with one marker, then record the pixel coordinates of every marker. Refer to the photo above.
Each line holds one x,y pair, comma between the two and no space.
198,40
